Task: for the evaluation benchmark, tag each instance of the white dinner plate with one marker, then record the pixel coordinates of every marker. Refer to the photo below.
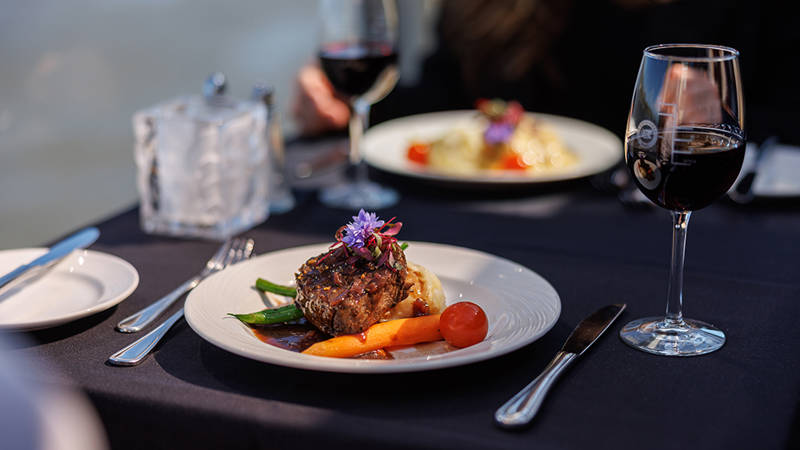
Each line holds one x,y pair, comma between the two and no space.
777,175
83,283
386,144
521,307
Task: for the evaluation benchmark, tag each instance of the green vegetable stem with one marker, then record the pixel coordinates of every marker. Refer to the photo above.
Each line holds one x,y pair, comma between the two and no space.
271,316
268,286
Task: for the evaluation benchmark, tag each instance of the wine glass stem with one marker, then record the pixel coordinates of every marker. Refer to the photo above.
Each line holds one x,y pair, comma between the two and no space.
680,225
359,118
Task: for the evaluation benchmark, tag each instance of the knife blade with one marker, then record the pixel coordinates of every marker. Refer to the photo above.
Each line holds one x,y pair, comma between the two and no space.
81,239
521,408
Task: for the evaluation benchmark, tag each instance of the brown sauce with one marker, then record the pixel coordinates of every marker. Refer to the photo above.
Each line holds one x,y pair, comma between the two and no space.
421,308
375,354
293,337
298,337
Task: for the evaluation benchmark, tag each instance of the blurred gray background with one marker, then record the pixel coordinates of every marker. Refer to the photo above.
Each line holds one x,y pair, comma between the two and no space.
73,73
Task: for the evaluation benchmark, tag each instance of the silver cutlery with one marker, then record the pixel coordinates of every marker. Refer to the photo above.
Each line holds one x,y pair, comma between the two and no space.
322,163
629,195
139,320
743,191
522,407
81,239
619,181
137,351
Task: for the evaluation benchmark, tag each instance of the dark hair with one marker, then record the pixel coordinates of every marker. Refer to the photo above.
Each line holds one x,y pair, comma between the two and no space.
501,40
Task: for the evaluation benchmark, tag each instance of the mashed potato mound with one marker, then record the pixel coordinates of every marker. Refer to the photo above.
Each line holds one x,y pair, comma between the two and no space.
425,286
458,151
463,150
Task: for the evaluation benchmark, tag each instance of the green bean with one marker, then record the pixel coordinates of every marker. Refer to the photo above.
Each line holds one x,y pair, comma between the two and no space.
404,246
271,316
268,286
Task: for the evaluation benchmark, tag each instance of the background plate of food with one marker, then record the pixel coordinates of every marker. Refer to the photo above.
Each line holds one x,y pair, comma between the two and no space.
497,144
520,306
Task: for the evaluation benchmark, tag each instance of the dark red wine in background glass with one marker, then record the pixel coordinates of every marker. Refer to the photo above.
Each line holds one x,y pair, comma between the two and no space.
358,69
688,169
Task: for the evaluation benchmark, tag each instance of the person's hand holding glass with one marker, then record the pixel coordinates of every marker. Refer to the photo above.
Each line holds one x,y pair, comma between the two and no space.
684,148
358,55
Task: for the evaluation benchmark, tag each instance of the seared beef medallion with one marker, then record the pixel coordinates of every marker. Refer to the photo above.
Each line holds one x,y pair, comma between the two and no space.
343,294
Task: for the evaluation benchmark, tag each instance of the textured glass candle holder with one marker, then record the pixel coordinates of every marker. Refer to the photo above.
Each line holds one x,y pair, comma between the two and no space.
203,166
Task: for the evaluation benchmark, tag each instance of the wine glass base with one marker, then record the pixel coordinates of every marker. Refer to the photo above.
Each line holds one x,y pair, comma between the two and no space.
358,195
659,336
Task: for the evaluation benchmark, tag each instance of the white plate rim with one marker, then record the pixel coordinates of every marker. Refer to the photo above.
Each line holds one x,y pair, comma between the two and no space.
260,351
766,190
604,156
104,303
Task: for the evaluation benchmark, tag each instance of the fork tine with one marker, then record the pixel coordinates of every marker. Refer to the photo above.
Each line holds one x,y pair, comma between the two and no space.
250,244
231,252
243,251
239,252
246,250
216,260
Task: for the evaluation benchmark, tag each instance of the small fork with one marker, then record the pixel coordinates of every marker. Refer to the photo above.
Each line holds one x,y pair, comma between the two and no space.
137,351
137,321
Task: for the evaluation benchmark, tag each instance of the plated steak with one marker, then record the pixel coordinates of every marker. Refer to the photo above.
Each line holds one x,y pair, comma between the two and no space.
342,294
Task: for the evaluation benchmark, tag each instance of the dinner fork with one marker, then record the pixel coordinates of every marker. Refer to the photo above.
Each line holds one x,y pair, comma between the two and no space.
142,318
137,351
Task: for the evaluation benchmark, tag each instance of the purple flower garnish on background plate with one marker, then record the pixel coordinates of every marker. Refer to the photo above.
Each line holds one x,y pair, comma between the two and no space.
498,133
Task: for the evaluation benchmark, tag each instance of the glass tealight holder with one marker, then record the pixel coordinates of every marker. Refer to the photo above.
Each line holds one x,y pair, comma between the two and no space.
203,165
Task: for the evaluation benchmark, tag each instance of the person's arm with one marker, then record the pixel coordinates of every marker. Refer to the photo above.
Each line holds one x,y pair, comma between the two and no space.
315,108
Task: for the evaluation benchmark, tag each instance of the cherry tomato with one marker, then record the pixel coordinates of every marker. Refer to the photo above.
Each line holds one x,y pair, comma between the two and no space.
418,152
463,324
513,162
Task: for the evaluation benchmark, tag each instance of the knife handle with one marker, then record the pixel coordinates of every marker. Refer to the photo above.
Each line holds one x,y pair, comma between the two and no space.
522,407
137,351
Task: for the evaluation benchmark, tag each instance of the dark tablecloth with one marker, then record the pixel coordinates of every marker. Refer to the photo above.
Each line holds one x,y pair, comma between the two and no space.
742,275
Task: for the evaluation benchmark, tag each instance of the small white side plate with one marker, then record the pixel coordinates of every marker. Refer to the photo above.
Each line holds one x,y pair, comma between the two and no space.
386,144
83,283
521,307
777,177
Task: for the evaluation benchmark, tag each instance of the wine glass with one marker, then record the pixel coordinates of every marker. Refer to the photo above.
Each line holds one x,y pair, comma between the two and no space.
684,147
358,54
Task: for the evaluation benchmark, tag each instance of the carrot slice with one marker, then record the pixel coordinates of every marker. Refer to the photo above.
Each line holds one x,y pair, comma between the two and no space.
384,334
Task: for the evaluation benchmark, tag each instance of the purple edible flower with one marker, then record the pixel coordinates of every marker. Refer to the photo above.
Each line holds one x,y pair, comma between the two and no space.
498,132
358,231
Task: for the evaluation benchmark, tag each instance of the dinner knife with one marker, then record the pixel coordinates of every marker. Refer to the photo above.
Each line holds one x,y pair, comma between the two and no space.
81,239
522,407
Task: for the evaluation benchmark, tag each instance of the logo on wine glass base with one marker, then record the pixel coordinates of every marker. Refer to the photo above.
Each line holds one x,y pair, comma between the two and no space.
646,134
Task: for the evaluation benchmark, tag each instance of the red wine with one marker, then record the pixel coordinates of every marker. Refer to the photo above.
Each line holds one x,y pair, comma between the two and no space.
360,70
687,169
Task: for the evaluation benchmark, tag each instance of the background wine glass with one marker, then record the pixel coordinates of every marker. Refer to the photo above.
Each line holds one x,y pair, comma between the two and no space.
358,55
684,148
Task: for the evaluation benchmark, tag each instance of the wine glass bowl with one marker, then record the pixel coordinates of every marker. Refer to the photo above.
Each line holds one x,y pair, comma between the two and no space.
357,52
684,148
362,70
